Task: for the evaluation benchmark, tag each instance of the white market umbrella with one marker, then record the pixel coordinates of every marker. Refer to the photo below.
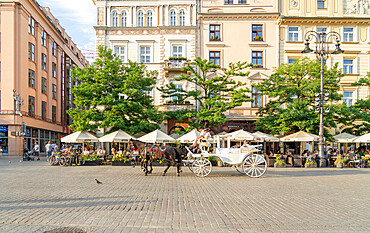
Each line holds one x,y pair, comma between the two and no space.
363,138
242,135
156,136
300,136
189,137
266,137
79,137
344,138
117,136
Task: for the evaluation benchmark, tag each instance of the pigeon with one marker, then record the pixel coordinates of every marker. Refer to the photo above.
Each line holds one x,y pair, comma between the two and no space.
10,162
97,181
20,161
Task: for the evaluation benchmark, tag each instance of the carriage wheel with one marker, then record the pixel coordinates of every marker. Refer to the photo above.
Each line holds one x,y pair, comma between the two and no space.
254,165
201,167
239,168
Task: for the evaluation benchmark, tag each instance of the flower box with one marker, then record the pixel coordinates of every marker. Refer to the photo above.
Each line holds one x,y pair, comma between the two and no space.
90,163
277,165
121,163
307,165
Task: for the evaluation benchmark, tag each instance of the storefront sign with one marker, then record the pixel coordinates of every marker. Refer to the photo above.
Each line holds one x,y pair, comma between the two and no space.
3,128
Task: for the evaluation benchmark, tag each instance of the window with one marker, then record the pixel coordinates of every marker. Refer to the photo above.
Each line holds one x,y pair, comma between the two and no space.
43,38
182,18
257,59
291,60
214,32
43,110
31,26
214,56
31,52
257,98
228,2
124,19
54,50
242,1
54,113
293,33
348,66
149,19
43,86
31,78
348,34
348,98
321,4
144,54
54,91
120,52
177,51
31,106
140,19
178,89
321,30
43,60
114,19
257,32
172,18
54,69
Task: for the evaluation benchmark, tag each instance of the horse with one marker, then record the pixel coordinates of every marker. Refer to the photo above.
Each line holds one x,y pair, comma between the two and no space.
145,158
171,155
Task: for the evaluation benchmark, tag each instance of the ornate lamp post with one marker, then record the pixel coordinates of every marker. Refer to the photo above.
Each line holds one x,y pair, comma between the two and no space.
322,52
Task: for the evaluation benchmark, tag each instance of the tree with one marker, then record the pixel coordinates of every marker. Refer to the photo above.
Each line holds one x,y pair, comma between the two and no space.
291,90
217,91
113,95
360,111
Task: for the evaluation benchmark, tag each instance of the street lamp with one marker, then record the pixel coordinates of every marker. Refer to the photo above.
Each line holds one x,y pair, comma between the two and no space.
322,52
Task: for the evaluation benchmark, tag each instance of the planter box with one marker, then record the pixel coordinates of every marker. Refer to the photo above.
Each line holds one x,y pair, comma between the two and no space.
120,163
310,165
276,165
90,163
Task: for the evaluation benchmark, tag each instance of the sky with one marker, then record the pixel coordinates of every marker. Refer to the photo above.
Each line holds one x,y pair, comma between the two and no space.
78,18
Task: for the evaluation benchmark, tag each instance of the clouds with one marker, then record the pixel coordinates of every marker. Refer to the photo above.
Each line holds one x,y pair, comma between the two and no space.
78,18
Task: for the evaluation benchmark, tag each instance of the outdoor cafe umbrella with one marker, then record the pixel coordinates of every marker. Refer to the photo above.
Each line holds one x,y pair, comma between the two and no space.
156,136
364,138
189,137
300,136
344,138
266,137
79,137
117,136
242,135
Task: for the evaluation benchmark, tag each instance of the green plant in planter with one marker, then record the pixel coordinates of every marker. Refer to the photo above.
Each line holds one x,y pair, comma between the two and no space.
177,58
92,157
280,161
257,38
339,160
311,162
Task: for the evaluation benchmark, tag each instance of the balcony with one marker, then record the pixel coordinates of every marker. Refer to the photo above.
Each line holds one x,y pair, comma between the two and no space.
175,64
173,105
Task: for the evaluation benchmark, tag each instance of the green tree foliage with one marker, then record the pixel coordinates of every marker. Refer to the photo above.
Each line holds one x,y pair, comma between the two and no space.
217,91
292,91
360,111
113,94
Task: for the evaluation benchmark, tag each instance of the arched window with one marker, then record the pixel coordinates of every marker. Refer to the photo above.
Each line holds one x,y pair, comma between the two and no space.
149,19
114,19
182,18
124,19
140,19
172,18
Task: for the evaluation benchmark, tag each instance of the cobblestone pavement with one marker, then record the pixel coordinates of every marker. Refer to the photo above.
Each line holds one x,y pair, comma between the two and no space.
35,197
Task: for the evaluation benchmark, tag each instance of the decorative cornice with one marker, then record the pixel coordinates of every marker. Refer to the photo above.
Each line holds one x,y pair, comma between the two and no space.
325,20
144,30
237,16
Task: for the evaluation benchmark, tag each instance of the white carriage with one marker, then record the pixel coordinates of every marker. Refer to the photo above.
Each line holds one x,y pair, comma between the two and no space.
245,160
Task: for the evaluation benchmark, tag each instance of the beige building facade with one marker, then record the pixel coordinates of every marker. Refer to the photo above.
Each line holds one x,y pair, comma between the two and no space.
351,19
36,59
240,30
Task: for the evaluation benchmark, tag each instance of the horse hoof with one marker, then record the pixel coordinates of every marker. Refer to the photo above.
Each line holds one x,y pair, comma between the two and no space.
163,174
178,174
146,174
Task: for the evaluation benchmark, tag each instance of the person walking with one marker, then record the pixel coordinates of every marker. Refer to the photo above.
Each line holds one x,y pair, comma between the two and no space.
48,149
36,151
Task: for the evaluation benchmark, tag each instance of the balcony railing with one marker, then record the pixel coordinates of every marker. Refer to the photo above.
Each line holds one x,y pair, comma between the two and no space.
175,64
12,112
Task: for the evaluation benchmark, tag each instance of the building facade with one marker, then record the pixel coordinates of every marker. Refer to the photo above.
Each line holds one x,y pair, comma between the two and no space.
350,18
36,57
240,30
160,34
